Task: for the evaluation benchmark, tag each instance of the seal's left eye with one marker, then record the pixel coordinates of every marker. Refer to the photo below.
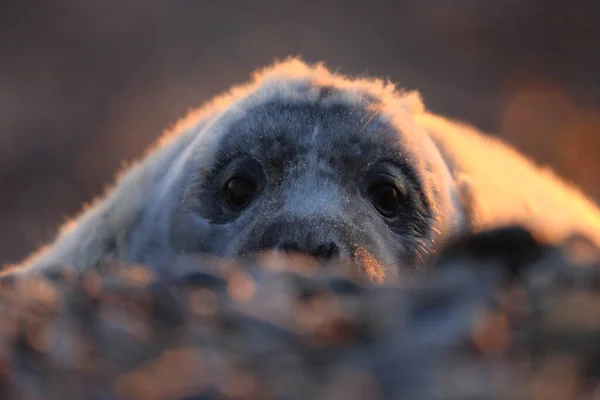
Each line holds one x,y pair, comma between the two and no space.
386,199
238,192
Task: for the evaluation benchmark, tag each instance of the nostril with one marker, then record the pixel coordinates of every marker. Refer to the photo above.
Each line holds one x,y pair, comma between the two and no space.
290,247
327,250
324,250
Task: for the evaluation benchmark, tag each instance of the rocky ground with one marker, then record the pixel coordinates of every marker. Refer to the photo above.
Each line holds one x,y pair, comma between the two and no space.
498,316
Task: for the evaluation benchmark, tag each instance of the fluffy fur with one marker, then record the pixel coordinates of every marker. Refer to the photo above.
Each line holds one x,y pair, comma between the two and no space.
316,138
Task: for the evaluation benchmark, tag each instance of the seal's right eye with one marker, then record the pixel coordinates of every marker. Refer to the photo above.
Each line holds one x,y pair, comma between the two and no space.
386,198
238,192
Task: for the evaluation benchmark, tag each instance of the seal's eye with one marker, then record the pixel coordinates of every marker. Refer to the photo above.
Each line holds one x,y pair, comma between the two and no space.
238,192
386,198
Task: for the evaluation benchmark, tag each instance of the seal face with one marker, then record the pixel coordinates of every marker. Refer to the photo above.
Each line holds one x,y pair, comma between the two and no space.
327,180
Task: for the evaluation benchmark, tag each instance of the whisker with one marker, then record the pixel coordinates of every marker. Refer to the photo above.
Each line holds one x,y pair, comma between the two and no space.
371,118
381,132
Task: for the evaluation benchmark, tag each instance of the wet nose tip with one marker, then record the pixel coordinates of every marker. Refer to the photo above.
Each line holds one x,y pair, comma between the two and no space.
324,251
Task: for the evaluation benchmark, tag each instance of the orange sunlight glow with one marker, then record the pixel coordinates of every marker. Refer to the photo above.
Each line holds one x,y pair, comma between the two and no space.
370,266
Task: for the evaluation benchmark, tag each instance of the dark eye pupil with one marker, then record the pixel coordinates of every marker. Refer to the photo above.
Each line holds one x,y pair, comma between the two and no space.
386,198
238,192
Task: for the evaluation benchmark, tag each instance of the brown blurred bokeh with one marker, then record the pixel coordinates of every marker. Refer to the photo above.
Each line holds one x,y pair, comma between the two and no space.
85,85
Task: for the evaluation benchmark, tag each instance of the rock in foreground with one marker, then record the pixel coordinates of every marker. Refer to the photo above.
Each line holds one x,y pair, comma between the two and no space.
498,316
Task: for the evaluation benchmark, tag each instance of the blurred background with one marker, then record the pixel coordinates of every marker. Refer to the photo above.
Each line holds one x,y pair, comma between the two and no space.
87,85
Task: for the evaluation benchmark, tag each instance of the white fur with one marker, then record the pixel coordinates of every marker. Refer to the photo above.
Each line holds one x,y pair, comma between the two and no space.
501,186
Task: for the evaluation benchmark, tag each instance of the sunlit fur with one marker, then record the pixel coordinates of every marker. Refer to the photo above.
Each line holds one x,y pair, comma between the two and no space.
154,214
